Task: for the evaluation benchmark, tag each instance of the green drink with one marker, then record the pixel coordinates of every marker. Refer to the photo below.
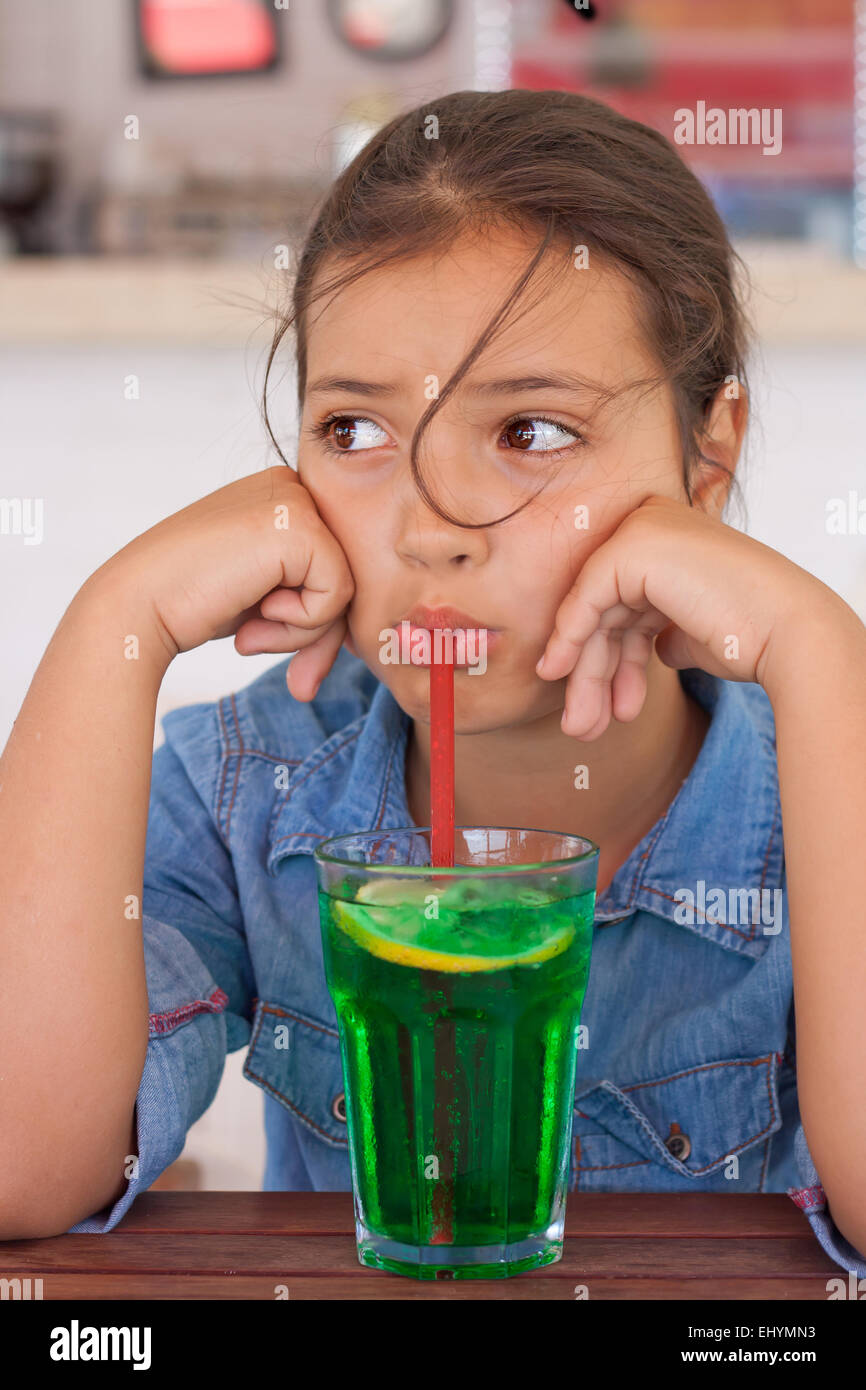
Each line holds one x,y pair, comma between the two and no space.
458,994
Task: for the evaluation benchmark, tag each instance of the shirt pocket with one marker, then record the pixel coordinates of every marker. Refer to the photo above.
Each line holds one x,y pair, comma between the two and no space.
296,1059
704,1128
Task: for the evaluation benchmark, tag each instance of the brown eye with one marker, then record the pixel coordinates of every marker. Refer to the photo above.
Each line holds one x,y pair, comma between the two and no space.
519,435
343,433
349,434
535,434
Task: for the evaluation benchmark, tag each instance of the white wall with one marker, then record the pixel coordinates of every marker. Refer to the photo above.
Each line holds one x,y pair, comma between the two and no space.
107,469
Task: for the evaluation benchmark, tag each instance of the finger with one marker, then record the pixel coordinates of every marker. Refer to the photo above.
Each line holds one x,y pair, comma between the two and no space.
285,606
577,618
259,635
598,727
628,692
629,685
234,626
587,693
307,670
318,588
596,594
674,648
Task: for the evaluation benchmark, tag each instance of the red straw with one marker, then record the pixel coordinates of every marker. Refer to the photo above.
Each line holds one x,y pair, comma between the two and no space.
442,857
442,757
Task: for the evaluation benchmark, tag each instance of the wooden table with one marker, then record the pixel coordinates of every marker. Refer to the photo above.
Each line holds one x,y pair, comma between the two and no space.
243,1245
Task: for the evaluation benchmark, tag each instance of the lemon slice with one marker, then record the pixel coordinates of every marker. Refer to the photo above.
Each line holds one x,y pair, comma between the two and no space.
361,925
381,896
392,892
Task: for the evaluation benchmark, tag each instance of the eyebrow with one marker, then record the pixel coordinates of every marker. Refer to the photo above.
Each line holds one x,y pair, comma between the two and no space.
349,386
563,381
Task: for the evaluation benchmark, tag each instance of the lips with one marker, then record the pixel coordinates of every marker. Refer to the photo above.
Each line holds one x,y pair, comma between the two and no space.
443,616
473,638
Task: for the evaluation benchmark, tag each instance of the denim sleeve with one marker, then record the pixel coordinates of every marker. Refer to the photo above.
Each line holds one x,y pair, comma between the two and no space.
812,1201
199,976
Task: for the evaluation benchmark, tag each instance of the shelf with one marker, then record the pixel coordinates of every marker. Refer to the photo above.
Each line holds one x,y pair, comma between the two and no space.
802,296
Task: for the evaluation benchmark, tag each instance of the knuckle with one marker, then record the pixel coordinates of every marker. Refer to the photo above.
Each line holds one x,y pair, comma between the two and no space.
345,588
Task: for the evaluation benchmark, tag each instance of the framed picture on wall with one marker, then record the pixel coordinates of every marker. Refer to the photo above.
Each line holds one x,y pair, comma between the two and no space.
206,38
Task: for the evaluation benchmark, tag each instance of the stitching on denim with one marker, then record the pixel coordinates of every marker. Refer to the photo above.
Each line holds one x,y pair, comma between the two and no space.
272,757
280,806
812,1198
238,755
704,1066
227,753
238,765
301,835
637,877
280,1095
597,1167
287,1013
384,802
769,843
636,887
612,922
747,936
284,1100
652,1132
763,1176
242,751
333,753
166,1022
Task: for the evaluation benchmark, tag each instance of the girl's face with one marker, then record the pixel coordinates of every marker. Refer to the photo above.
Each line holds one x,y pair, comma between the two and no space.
546,400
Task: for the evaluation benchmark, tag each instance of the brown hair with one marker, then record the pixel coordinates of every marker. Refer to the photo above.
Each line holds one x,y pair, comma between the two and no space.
556,164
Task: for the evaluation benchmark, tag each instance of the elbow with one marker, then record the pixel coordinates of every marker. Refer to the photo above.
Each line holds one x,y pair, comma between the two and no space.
30,1210
849,1218
20,1219
855,1236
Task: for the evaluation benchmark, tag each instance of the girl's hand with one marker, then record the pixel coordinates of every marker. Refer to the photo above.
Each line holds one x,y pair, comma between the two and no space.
254,559
712,598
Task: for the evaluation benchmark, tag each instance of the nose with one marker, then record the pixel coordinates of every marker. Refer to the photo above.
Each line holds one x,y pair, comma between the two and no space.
456,483
428,540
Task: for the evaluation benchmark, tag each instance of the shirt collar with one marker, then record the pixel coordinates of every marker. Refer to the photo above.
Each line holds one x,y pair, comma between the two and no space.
722,830
354,781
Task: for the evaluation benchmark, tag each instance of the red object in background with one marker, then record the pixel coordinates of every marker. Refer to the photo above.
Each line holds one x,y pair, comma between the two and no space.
793,55
201,37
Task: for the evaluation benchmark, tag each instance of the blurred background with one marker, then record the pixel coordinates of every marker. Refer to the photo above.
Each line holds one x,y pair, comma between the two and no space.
157,159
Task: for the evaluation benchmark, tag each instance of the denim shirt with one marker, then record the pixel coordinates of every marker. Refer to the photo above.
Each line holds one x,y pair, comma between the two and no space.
688,1079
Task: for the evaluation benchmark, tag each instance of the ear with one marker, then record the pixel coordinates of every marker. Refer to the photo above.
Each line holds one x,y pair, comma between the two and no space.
719,443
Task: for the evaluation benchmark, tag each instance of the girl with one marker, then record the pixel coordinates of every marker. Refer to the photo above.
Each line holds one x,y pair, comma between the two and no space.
537,291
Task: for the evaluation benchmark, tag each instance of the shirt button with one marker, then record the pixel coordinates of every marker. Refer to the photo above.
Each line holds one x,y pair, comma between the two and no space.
338,1108
678,1144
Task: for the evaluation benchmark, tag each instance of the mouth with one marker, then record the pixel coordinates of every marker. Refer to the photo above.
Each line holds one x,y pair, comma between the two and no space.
470,637
443,616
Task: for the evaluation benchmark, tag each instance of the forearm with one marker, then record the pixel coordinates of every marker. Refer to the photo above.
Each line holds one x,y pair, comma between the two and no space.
818,692
74,790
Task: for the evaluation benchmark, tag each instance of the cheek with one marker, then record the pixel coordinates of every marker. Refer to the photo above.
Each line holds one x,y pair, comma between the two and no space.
355,518
306,472
540,576
335,511
541,582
